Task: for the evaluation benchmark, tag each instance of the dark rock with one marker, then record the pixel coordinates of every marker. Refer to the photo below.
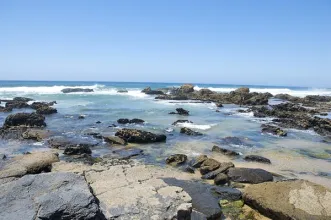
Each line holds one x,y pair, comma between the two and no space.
112,126
127,153
35,134
16,104
71,90
123,121
248,175
147,89
95,135
122,91
181,121
38,105
196,162
46,110
224,151
154,92
190,132
256,158
189,169
209,165
221,179
98,122
176,159
48,196
219,105
203,92
22,99
139,136
3,156
223,167
317,98
172,97
287,97
78,149
273,130
81,117
233,141
25,119
227,193
128,121
182,111
114,140
186,88
136,121
5,109
324,114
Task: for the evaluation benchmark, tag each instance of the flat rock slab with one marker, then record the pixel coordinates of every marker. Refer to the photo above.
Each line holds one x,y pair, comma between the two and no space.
134,192
27,164
249,175
48,196
295,199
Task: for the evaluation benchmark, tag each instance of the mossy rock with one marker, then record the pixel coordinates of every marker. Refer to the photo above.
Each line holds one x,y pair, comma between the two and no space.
231,208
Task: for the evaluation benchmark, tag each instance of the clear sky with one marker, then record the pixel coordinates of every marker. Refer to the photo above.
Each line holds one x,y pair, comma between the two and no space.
276,42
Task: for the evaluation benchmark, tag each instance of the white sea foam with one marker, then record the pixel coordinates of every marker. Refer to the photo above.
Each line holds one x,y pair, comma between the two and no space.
275,91
195,126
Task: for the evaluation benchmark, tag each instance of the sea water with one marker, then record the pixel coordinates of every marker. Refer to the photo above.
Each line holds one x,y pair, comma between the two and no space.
302,154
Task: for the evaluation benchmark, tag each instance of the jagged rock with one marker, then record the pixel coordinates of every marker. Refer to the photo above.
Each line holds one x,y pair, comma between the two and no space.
27,164
294,199
222,168
128,121
182,111
176,159
139,136
227,193
224,151
25,119
248,175
46,110
190,132
181,121
186,88
114,140
71,90
209,165
78,149
16,104
221,179
256,158
196,162
5,109
48,196
22,99
36,134
37,105
273,130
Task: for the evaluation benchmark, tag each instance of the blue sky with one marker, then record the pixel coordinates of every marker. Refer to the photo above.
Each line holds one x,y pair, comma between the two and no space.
239,42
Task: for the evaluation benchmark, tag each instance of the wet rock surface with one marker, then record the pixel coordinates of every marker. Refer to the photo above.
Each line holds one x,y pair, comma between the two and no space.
256,158
46,110
181,121
273,130
128,121
189,132
72,90
78,149
180,111
25,119
139,136
176,159
48,196
224,151
249,175
114,140
295,199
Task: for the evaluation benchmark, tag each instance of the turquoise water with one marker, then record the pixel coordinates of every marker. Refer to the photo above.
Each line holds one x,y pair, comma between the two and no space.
293,156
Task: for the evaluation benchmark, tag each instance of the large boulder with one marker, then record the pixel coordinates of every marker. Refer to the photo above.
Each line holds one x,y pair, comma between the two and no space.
139,136
186,88
37,105
79,149
176,159
25,119
209,165
114,140
46,110
273,130
71,90
256,158
48,196
16,104
249,175
294,199
27,164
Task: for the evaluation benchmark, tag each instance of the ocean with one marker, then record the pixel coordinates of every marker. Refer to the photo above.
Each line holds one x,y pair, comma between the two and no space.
302,154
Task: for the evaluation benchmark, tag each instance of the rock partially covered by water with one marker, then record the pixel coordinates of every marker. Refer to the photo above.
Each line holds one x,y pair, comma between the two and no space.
149,91
190,132
22,99
197,161
128,121
181,121
79,149
294,199
139,136
224,151
114,140
186,88
48,196
16,104
122,91
222,168
25,119
46,110
5,109
37,105
256,158
248,175
36,134
180,111
176,159
273,130
71,90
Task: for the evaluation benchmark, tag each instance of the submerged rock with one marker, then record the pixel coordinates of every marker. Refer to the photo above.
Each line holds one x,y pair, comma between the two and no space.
139,136
227,193
114,140
22,99
25,119
181,121
125,153
128,121
294,199
224,151
48,196
16,104
248,175
176,159
273,130
190,132
256,158
71,90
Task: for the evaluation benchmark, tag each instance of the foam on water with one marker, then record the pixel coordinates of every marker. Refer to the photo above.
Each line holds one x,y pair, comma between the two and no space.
274,91
195,126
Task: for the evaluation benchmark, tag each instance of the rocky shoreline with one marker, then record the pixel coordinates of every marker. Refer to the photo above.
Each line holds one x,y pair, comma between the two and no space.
41,185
